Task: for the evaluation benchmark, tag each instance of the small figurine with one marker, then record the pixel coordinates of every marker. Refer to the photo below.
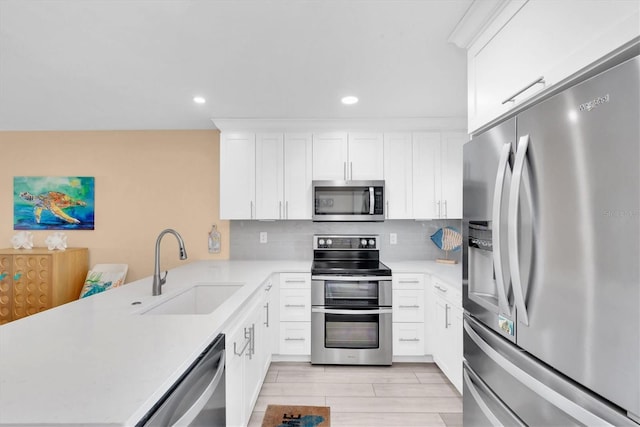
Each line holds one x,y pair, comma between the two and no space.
22,240
57,240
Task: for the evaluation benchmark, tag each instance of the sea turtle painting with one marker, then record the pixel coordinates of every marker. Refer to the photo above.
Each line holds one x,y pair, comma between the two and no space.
54,202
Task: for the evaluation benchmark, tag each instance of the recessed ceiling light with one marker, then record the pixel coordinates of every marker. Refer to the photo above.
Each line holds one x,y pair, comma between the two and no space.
349,100
199,100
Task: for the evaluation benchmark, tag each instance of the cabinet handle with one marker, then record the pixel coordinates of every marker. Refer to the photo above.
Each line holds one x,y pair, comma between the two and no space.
446,211
251,209
408,281
268,288
266,307
351,170
344,170
512,98
441,289
286,210
295,281
439,209
409,339
409,306
295,305
446,316
294,339
279,210
386,212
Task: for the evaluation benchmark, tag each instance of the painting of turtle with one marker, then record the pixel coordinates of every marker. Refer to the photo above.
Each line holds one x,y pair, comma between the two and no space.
53,203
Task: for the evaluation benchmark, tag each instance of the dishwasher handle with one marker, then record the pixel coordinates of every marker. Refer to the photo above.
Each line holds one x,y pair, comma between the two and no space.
193,411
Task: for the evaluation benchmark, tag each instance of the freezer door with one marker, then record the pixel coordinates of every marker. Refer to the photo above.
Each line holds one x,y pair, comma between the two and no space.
486,278
574,233
535,394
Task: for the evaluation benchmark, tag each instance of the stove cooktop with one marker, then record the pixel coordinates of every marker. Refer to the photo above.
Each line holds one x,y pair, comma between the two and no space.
349,268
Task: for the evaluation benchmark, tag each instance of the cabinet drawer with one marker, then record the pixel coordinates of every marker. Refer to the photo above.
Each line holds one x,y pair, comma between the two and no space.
444,290
408,281
295,338
408,339
295,280
408,305
295,305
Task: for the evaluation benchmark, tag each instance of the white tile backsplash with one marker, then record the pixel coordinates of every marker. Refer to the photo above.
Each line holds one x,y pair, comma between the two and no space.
293,239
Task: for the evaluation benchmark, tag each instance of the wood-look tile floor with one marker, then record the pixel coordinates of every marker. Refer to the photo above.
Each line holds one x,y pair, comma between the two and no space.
404,394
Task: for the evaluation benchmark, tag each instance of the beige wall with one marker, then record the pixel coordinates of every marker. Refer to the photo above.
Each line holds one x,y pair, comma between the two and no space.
145,181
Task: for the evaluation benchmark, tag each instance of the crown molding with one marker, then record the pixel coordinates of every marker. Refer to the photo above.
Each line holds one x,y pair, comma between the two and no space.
479,15
345,125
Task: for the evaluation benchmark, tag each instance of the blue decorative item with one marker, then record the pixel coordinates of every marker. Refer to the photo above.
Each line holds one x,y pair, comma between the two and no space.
447,239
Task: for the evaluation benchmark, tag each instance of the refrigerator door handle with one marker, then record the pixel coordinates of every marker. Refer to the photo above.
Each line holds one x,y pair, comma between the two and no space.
514,200
503,170
550,395
475,393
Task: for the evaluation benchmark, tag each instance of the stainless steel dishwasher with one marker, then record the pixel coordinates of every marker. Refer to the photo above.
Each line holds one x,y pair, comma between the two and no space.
198,397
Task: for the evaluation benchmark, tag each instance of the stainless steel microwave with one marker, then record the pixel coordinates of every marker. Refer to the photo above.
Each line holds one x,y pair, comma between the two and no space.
348,200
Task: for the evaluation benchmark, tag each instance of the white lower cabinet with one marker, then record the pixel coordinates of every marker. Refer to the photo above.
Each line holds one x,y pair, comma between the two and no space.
447,322
243,365
295,314
408,314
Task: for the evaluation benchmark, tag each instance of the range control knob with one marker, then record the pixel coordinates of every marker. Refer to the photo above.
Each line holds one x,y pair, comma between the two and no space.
321,242
363,242
372,242
329,242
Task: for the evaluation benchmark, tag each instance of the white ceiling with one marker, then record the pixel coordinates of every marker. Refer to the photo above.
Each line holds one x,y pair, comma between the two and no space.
136,64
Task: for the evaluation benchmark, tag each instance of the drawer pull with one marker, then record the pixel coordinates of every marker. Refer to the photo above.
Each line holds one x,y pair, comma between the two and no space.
295,305
441,289
409,339
408,281
512,98
409,306
295,281
294,339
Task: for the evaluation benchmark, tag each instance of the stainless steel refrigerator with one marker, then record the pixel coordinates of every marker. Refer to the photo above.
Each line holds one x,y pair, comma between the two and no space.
551,273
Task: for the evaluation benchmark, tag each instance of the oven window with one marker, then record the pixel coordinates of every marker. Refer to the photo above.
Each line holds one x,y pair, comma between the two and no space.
351,330
360,294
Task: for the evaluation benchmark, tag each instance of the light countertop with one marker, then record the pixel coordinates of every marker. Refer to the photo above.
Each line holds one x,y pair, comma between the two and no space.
98,361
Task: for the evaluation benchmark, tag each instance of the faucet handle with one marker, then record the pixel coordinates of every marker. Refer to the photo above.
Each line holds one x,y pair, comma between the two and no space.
163,279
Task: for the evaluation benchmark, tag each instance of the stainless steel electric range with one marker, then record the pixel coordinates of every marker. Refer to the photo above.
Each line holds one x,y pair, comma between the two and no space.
350,302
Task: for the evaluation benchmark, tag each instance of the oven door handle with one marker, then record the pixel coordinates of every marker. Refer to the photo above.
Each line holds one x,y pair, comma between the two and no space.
337,278
355,311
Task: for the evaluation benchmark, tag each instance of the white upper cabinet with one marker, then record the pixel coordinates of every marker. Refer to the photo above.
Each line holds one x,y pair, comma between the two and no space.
365,156
237,176
451,173
531,45
426,172
330,153
437,174
398,175
342,156
269,176
297,176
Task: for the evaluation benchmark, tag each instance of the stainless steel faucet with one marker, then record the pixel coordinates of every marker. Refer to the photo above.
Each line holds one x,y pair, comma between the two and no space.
157,280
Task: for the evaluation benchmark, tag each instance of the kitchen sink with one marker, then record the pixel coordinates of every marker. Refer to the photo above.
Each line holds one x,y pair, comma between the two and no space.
198,299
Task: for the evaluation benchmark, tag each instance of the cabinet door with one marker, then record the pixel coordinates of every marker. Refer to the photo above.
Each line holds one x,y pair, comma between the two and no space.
398,175
269,176
451,174
298,160
330,156
32,284
234,377
426,169
237,176
6,288
365,156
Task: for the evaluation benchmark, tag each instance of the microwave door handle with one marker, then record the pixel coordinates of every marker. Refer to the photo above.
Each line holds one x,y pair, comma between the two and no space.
503,171
372,201
514,256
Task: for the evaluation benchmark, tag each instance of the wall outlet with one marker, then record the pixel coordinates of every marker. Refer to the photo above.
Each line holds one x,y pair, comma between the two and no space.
263,237
393,238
